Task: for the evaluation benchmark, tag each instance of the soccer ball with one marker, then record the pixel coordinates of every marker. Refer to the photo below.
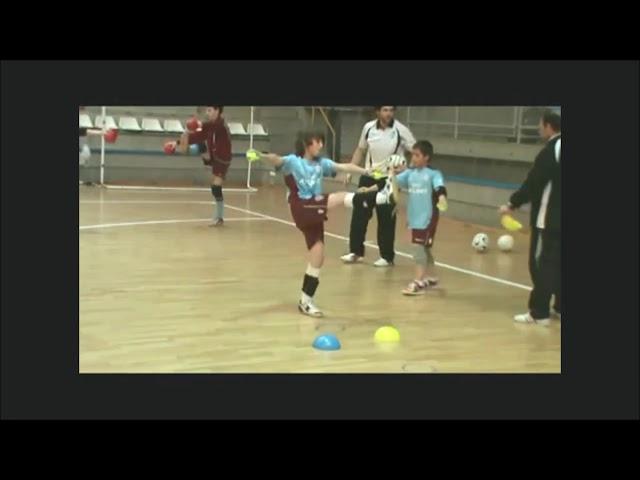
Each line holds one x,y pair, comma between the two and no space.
505,243
480,242
396,161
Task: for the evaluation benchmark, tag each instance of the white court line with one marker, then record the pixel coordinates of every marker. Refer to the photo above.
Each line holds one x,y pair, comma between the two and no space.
329,234
148,202
161,222
402,254
178,189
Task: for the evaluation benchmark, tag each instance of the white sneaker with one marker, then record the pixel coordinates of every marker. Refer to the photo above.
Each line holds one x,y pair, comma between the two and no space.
381,262
527,318
351,258
310,309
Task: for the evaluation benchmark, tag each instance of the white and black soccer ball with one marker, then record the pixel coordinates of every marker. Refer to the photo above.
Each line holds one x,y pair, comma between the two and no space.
396,161
480,242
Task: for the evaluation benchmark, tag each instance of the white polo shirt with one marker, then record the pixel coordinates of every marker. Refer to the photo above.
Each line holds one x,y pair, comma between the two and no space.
383,142
542,213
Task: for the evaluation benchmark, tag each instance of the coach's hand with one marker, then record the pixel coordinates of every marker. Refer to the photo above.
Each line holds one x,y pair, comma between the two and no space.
505,209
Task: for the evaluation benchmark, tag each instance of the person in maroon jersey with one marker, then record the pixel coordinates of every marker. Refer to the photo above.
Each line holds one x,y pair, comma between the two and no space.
214,141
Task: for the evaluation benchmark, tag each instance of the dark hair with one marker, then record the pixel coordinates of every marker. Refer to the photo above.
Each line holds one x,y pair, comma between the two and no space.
306,138
549,117
379,107
425,147
220,108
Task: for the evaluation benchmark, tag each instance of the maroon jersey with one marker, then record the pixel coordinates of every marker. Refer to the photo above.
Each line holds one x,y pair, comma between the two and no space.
216,136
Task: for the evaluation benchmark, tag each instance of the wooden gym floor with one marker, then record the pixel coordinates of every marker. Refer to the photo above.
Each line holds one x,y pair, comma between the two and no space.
161,292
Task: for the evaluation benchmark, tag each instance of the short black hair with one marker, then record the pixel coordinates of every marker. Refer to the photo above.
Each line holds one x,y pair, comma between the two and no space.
549,117
379,107
306,138
425,147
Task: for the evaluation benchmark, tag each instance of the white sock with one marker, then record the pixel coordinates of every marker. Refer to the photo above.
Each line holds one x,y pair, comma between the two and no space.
304,298
348,200
312,271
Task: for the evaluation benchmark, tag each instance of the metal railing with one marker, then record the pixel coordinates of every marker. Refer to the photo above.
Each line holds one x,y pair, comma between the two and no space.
516,131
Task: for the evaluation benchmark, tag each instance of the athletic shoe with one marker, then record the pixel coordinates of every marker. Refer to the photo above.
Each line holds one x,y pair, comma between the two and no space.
527,318
381,262
218,222
310,309
415,288
351,258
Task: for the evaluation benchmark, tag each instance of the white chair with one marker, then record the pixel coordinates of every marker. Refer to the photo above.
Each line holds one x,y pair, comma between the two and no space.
151,125
173,126
109,122
85,121
236,128
256,129
130,124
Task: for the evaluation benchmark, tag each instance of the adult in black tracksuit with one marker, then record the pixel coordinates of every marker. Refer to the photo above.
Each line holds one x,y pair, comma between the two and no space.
380,139
542,188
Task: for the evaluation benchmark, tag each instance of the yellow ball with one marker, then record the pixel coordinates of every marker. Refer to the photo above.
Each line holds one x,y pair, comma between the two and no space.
253,155
387,334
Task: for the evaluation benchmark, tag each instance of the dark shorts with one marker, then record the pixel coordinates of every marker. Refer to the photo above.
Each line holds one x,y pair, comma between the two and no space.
427,235
219,167
309,216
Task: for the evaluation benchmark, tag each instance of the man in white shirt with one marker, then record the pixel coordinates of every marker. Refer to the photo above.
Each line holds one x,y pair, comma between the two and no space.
380,139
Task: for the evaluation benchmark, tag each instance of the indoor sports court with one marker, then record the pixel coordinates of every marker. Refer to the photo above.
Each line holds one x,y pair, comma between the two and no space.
164,291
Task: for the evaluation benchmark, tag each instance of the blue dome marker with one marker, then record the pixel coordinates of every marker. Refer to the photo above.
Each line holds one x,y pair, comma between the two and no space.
327,341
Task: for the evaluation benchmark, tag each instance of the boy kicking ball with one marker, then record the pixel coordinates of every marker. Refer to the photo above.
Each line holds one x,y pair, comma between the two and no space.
304,171
423,185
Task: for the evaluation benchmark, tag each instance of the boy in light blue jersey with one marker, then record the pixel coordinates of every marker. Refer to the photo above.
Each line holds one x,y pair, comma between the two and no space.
423,185
303,173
